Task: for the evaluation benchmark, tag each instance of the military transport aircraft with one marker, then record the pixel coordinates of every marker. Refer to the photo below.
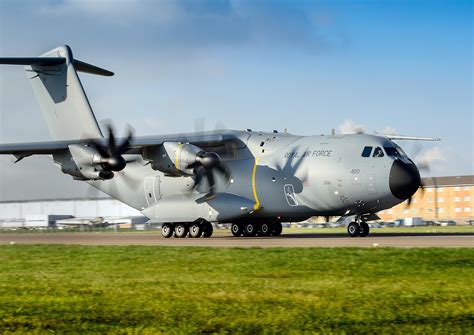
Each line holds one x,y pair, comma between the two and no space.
254,180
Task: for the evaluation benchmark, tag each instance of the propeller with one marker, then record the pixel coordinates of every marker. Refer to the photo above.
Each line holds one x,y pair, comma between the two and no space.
111,154
422,188
422,165
204,166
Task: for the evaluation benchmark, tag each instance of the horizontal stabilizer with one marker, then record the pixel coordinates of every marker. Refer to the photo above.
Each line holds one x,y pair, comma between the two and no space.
92,69
42,61
51,61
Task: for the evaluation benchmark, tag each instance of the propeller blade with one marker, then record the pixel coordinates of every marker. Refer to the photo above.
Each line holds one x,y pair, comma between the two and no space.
122,148
225,171
422,187
199,175
425,166
112,145
212,183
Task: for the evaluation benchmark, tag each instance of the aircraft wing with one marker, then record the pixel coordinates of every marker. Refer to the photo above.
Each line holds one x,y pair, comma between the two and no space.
21,150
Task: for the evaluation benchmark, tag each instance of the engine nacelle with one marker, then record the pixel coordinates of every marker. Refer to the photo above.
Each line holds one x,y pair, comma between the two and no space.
173,158
83,163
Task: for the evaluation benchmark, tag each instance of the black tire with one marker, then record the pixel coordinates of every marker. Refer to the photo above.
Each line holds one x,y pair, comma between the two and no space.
364,229
207,229
181,230
277,229
250,229
353,229
237,229
167,230
196,229
266,229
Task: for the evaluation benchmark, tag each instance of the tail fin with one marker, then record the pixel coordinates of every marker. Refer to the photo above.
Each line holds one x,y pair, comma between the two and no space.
60,94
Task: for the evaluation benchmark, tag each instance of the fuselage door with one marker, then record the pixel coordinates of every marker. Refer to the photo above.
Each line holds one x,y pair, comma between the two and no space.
152,189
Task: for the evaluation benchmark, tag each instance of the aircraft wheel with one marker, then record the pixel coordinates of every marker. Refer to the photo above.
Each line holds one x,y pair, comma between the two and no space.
353,229
196,229
266,229
364,229
167,230
250,229
236,229
207,229
277,229
181,230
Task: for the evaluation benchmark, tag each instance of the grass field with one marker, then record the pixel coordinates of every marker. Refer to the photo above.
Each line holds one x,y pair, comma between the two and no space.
74,289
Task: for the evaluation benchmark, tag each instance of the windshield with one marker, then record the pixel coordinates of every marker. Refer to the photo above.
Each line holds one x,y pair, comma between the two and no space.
395,152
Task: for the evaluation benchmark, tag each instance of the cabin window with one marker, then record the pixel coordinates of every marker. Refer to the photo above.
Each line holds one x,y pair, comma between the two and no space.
378,152
366,152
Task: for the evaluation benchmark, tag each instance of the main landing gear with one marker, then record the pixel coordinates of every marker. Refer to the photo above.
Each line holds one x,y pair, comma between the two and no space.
198,228
250,229
360,228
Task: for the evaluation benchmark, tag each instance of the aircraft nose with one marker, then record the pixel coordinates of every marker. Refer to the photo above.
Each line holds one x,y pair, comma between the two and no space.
404,179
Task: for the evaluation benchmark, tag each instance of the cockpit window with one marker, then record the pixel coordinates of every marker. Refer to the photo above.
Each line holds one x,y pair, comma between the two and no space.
366,152
378,152
394,152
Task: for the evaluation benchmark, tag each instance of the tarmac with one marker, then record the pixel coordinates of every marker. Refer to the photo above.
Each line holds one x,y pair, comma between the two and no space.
305,240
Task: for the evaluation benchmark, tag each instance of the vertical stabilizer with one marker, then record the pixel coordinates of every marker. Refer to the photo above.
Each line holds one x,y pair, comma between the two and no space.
61,96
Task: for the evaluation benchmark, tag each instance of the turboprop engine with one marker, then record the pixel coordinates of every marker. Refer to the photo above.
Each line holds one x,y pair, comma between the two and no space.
94,160
184,159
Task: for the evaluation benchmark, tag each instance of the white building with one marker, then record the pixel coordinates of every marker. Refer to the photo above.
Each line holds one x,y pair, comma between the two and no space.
43,213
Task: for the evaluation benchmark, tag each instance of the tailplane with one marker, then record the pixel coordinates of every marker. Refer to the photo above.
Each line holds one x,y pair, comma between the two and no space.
60,94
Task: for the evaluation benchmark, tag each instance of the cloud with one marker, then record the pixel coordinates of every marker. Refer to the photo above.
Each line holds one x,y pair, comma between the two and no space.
389,131
350,127
201,23
431,155
117,12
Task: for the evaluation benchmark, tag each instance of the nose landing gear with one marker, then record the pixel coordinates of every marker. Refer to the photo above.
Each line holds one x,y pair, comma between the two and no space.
358,228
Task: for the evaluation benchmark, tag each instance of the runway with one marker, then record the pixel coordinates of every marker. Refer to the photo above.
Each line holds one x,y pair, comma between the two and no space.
399,240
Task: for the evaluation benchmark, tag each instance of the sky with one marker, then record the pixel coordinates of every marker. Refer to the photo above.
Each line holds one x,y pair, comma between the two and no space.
400,67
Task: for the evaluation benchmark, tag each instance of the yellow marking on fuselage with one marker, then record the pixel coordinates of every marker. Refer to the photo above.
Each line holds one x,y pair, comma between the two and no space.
254,185
176,163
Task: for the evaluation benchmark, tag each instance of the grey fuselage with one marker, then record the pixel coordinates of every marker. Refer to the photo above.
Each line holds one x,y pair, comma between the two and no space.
283,176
